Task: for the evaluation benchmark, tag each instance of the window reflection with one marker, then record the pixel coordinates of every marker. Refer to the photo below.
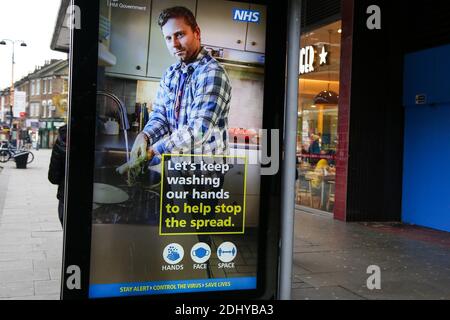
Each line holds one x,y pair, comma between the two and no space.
318,120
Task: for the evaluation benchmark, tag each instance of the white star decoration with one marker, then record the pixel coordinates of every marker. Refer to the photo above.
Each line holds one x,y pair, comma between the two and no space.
323,56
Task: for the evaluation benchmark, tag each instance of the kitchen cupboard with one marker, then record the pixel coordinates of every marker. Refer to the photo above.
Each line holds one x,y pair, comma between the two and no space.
137,43
160,58
220,30
129,38
256,32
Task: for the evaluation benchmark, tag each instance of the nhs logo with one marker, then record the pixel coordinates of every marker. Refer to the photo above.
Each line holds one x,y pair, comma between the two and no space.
246,15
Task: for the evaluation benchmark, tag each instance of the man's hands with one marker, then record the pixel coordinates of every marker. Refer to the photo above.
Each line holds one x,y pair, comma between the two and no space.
150,153
140,154
140,146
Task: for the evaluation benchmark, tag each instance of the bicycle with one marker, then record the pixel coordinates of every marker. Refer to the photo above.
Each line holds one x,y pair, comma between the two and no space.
8,151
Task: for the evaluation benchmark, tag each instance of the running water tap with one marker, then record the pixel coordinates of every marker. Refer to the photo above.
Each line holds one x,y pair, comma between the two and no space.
122,115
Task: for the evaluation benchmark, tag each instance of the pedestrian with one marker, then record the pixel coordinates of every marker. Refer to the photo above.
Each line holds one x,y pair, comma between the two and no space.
57,168
190,112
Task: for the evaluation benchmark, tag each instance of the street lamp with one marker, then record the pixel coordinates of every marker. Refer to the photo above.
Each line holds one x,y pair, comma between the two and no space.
11,89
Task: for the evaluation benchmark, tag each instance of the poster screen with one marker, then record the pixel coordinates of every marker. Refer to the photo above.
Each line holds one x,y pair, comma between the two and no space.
179,114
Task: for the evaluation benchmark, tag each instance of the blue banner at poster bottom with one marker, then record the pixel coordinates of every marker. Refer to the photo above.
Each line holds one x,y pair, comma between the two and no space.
170,287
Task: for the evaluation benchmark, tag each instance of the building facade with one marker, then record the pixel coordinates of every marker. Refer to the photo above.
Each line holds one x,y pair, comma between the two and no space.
46,90
48,100
358,151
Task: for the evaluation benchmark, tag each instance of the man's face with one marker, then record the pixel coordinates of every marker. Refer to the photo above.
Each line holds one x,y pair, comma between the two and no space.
183,43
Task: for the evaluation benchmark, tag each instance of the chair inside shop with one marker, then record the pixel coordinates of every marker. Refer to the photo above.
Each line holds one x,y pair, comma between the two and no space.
331,192
304,189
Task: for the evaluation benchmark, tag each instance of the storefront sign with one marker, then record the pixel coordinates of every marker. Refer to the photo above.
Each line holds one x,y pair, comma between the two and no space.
308,59
20,101
32,123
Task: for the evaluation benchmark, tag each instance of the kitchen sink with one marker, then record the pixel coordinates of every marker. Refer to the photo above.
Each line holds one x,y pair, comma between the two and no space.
110,158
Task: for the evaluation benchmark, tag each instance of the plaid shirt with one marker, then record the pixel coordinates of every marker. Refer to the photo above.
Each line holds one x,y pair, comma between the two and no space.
202,125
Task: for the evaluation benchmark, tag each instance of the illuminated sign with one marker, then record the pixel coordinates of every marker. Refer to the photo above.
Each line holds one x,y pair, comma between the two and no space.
178,206
189,205
308,59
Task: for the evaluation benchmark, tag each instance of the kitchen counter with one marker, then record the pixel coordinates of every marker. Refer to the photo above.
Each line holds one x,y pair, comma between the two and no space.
117,143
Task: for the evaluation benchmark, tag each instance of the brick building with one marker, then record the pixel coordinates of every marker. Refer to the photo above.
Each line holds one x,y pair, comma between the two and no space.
47,104
46,101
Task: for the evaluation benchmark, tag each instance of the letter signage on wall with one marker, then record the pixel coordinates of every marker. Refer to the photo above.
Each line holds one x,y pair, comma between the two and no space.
308,59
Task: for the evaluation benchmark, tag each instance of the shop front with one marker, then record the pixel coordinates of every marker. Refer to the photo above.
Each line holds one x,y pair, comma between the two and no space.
372,116
4,131
48,132
318,102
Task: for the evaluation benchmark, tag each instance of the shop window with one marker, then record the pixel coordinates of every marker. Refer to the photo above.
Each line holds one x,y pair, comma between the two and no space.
317,137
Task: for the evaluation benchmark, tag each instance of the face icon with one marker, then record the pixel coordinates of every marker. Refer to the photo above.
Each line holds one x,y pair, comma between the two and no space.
183,42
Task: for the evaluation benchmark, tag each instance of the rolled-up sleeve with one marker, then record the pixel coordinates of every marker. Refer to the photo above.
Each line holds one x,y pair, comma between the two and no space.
158,126
211,101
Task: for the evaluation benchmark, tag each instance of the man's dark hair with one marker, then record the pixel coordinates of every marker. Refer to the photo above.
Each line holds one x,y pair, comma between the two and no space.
177,12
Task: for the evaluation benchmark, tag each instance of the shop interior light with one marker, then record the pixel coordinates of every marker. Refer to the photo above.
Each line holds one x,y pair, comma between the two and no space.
313,106
339,30
326,97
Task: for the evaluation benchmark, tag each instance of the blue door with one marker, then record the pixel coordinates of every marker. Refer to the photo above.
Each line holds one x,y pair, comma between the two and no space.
426,170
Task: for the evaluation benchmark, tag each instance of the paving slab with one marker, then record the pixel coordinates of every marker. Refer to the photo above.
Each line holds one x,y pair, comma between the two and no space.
18,264
30,232
325,293
16,289
35,297
49,287
23,275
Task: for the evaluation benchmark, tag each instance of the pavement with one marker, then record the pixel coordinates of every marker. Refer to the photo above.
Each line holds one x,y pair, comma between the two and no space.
331,257
30,232
331,260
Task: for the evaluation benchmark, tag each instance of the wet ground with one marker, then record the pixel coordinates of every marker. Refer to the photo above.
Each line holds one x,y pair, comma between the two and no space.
331,260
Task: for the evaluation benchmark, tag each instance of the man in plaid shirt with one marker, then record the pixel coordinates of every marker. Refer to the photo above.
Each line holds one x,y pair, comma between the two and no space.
190,112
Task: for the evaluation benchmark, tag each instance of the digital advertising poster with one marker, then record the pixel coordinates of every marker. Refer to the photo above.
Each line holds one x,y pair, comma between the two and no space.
176,203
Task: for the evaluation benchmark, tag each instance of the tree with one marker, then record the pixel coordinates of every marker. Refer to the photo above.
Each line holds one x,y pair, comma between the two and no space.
60,103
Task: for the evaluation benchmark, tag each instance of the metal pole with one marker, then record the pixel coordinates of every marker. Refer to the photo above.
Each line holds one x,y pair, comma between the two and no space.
11,100
290,143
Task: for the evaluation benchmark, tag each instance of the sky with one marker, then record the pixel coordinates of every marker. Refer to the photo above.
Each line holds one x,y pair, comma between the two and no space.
32,21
